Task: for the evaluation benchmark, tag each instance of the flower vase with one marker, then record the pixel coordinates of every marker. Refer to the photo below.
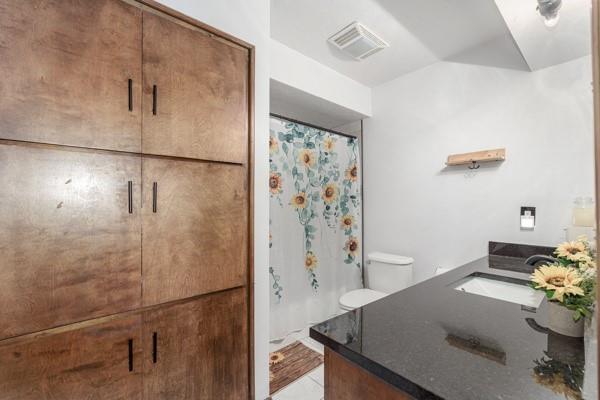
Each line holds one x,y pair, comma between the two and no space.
560,320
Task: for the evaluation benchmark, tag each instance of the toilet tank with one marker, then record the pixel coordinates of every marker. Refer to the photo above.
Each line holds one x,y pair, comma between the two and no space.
389,273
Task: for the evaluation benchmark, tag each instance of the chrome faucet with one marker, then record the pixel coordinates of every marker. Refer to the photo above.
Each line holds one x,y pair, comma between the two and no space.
534,260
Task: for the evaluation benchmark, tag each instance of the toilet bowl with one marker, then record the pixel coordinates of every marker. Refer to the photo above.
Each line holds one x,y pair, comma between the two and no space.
386,274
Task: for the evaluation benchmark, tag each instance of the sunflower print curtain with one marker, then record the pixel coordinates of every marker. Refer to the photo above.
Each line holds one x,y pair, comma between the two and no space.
315,225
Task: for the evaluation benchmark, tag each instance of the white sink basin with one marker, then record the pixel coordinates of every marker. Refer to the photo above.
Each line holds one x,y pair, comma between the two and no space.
501,290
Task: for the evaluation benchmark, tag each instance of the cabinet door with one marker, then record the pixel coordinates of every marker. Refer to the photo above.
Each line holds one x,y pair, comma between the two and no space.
198,350
200,107
195,242
66,68
90,363
70,248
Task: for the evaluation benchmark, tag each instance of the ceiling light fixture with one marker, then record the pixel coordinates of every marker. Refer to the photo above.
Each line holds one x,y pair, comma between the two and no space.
548,9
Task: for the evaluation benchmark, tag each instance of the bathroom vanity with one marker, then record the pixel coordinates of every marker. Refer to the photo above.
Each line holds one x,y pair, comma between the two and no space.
455,337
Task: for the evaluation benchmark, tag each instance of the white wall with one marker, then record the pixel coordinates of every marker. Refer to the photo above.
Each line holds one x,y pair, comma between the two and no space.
294,69
249,21
445,216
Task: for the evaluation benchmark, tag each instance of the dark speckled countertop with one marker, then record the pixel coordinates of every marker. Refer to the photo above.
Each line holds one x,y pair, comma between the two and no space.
435,342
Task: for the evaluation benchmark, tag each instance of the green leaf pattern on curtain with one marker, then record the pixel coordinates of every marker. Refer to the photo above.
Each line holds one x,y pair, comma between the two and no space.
309,158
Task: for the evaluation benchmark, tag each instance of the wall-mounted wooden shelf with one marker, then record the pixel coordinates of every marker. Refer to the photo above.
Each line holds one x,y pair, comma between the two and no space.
476,157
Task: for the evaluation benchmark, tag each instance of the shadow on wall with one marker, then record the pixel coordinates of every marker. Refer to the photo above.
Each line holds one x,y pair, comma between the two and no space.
442,25
469,173
447,29
500,52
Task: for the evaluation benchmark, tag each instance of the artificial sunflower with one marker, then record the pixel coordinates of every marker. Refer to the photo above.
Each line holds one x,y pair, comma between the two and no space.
352,172
307,157
572,251
310,261
329,144
273,145
351,246
586,264
347,221
275,183
329,193
276,358
299,200
562,280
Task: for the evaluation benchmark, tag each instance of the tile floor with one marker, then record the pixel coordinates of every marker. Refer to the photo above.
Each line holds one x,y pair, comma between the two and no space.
310,386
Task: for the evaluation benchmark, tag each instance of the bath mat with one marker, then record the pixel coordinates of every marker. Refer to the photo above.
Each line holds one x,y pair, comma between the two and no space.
290,363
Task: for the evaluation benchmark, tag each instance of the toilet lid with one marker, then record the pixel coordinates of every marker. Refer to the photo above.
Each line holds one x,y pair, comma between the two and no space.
360,297
390,258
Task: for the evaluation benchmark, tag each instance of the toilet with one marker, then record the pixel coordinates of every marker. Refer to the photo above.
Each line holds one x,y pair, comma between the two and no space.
386,274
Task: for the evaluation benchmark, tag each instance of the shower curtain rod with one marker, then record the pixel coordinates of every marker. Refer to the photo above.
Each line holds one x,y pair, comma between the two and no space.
313,126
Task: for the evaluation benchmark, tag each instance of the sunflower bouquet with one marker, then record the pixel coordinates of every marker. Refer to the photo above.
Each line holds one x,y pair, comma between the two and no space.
571,280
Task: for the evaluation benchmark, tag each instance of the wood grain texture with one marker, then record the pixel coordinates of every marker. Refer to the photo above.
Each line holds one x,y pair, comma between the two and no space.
67,64
90,363
202,349
345,380
168,11
477,156
196,241
291,363
70,249
202,93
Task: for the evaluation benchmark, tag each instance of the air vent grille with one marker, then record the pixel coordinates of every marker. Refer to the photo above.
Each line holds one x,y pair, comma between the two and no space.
347,37
357,41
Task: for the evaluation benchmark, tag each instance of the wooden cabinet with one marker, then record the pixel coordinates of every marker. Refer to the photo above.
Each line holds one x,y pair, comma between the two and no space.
195,93
88,363
199,349
124,226
194,350
78,69
345,380
195,228
66,67
70,248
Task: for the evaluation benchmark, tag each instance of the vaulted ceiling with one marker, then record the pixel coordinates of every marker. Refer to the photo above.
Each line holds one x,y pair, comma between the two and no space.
425,31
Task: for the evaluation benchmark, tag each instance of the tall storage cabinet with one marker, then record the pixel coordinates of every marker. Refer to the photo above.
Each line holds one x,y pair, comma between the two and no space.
124,210
72,73
195,228
101,361
70,247
198,93
213,362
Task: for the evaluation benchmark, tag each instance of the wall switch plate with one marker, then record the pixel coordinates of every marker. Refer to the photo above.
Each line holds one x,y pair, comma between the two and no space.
527,218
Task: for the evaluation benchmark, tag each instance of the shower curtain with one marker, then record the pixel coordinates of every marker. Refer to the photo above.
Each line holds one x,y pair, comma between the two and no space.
315,224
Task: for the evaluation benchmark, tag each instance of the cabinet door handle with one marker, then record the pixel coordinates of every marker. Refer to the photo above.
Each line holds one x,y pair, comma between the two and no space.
130,88
154,347
154,99
154,197
130,344
130,196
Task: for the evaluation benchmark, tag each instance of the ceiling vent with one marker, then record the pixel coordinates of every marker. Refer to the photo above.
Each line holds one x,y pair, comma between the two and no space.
357,41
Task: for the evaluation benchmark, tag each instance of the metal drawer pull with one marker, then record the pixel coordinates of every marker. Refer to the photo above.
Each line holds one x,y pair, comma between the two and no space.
154,197
154,99
130,95
130,196
154,347
130,343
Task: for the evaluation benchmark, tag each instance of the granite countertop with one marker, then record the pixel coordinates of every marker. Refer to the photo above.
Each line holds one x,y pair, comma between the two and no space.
435,342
